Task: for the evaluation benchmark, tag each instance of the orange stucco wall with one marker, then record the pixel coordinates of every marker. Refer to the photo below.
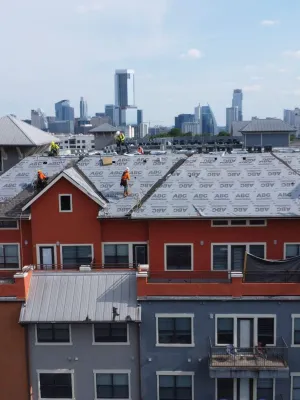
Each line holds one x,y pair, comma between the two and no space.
13,365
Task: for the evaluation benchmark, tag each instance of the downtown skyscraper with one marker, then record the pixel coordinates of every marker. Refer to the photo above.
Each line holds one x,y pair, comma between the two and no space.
125,97
83,109
237,101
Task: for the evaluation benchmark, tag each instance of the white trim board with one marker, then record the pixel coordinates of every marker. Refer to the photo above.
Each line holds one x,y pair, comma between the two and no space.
38,258
52,183
59,202
19,256
178,244
293,316
286,244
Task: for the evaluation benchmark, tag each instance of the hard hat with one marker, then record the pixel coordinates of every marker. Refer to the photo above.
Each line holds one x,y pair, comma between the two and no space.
118,133
39,170
127,169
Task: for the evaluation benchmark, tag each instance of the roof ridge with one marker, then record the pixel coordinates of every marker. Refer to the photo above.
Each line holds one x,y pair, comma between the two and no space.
12,120
89,182
285,163
158,184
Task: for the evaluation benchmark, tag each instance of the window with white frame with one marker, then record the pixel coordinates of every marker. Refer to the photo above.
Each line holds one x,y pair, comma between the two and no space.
264,389
238,222
231,256
174,387
114,332
65,203
178,257
295,383
75,255
296,330
174,330
116,254
9,256
230,388
292,250
55,385
53,333
262,329
112,385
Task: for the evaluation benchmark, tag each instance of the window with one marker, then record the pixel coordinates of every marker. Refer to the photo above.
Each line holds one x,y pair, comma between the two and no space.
55,385
116,254
74,256
239,222
225,389
5,224
292,250
264,390
111,333
232,256
175,330
112,385
65,203
295,395
174,387
262,329
296,330
225,330
178,257
53,333
9,256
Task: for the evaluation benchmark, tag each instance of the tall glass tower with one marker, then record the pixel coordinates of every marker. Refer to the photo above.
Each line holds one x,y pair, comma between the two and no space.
209,123
63,111
83,109
124,88
237,101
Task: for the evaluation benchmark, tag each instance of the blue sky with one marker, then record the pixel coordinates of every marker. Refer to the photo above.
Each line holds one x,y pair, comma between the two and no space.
183,52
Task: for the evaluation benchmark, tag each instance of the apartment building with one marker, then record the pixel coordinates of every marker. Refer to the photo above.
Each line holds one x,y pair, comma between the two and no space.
77,143
203,332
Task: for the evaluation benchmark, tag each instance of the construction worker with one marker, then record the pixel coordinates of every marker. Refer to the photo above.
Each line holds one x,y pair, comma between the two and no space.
124,181
41,180
54,149
140,150
120,141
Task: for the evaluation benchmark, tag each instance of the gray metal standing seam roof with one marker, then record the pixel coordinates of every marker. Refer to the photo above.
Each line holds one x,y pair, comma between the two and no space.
268,125
104,128
14,132
81,297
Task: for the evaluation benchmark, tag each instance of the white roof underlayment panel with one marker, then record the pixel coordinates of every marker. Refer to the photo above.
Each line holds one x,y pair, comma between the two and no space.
145,171
205,186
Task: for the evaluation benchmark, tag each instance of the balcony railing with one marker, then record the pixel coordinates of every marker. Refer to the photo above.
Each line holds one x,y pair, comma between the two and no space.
76,267
258,357
276,276
205,276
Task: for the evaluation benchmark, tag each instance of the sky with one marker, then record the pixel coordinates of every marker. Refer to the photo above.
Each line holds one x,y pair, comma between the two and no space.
183,53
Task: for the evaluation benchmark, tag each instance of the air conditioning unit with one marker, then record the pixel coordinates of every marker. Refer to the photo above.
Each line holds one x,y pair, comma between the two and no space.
85,268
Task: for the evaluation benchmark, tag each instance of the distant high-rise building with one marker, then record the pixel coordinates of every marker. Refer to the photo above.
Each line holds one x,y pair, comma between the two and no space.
63,111
198,113
83,109
181,118
39,119
128,116
110,112
143,130
232,114
140,117
237,101
124,88
209,123
192,127
292,117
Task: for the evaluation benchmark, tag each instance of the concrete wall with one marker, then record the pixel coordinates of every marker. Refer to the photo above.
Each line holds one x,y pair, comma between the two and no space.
90,357
267,139
177,359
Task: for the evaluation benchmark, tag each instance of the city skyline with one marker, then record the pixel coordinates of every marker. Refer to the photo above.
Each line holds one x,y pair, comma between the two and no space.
179,56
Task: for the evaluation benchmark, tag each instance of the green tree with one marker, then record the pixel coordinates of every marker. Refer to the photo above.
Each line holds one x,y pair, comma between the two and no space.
292,137
175,132
223,133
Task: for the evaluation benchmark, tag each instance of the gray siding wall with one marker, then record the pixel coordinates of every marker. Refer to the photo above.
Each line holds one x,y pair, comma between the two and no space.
195,359
104,139
267,139
11,157
90,357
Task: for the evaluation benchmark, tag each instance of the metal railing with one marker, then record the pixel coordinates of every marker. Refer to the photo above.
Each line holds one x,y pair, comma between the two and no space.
75,267
257,357
205,276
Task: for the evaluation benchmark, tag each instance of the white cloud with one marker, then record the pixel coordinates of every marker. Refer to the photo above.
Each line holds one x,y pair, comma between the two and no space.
250,67
192,54
292,53
282,70
269,22
257,78
298,78
252,88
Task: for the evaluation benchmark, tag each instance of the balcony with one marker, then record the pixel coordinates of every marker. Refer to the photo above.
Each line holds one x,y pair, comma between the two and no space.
77,267
255,362
204,276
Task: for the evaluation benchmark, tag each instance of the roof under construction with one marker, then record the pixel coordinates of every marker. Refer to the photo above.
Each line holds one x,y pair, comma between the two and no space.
169,186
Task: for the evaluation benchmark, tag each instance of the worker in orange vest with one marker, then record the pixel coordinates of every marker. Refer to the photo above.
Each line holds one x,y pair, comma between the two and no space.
41,180
124,181
140,150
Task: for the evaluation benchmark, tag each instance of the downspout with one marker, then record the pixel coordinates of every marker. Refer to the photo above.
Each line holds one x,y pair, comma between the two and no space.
27,362
21,241
139,361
